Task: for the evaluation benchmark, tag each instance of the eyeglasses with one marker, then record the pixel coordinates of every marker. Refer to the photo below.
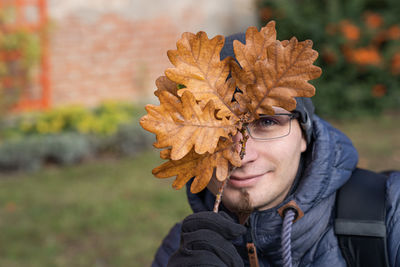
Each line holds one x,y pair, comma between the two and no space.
269,127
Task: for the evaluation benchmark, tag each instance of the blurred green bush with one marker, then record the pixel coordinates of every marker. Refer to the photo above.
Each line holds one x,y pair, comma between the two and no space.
103,120
31,152
359,46
71,134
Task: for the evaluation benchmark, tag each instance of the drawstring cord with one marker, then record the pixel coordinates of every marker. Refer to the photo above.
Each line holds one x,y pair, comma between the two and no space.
289,216
290,213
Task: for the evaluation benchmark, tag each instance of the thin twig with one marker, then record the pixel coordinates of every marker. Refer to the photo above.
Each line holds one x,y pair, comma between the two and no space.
218,196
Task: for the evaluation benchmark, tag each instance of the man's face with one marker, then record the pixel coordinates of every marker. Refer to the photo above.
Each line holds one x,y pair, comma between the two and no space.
267,173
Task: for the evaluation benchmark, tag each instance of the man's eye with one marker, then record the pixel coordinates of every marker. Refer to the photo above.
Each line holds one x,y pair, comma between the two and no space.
265,122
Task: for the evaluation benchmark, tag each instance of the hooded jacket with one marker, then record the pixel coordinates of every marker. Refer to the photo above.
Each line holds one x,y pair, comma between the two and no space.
327,164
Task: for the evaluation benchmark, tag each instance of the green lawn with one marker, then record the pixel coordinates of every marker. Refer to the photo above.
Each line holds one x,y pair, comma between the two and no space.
107,213
376,139
114,213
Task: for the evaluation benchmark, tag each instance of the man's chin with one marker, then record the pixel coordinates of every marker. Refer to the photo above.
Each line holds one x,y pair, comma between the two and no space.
241,203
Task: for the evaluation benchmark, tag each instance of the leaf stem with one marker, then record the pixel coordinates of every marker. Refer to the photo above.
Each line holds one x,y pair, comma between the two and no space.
218,196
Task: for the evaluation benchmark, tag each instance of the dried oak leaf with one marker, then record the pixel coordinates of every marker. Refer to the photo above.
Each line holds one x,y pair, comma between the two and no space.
182,124
199,166
283,75
199,68
248,54
272,73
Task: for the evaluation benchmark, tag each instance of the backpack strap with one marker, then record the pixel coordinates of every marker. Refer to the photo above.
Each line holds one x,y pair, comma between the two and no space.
360,219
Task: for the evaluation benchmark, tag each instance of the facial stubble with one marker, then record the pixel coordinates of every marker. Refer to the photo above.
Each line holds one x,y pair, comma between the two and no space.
244,208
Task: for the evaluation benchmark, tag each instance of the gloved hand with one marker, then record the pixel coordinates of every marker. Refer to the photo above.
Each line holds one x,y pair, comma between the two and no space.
206,241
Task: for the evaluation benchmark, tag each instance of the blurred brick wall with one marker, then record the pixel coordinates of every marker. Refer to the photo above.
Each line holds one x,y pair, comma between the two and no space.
116,49
110,59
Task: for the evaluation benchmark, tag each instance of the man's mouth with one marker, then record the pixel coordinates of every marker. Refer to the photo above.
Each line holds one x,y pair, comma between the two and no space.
247,181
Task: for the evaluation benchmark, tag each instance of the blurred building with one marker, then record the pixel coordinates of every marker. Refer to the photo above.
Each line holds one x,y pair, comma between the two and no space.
101,49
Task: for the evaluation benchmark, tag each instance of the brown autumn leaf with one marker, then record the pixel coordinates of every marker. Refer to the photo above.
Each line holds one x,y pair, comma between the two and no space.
198,67
271,72
199,166
182,124
282,75
248,54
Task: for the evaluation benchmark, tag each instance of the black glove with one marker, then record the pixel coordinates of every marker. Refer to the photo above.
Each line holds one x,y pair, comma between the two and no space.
205,241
